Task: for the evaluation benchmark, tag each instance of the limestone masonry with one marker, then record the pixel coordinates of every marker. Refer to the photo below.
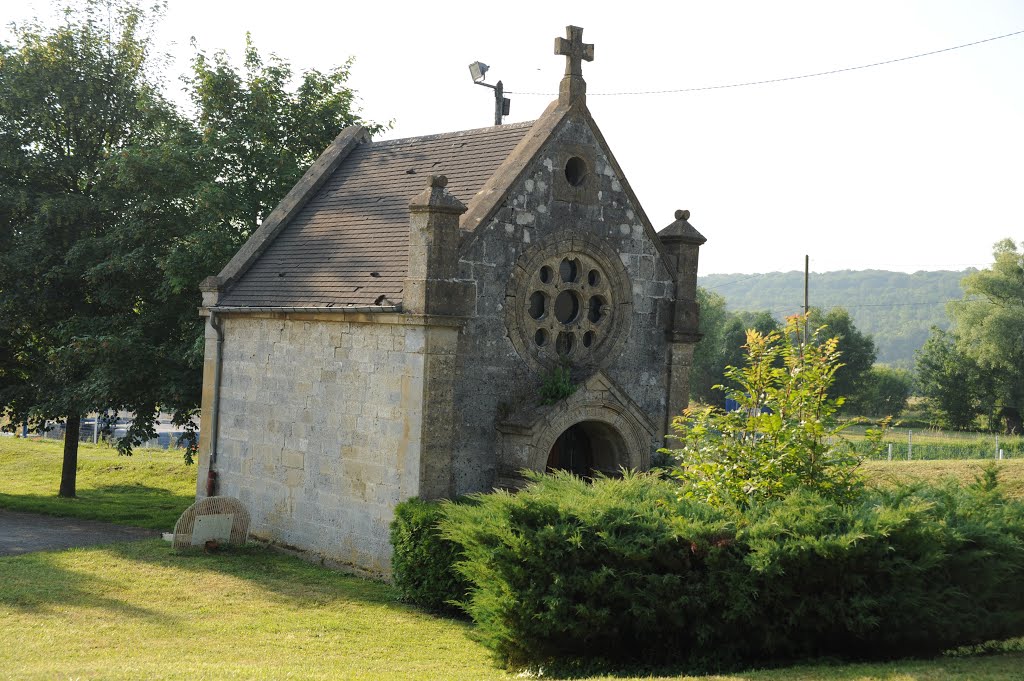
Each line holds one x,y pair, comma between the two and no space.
386,332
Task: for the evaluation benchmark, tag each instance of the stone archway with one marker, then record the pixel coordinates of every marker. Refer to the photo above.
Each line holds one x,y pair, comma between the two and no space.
617,433
588,448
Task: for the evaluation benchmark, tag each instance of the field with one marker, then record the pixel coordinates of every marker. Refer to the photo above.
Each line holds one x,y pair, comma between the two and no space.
139,610
1011,472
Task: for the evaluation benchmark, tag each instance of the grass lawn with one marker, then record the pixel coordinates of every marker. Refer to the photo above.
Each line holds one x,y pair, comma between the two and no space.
139,610
150,489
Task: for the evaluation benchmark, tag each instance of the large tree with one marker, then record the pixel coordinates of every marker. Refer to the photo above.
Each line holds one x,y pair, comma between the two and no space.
887,391
95,173
990,328
722,345
706,370
114,207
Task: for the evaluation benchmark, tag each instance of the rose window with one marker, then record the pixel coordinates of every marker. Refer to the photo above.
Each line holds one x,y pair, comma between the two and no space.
569,307
569,299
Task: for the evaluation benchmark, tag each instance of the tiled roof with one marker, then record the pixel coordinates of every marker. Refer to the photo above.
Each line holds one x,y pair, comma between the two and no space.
349,244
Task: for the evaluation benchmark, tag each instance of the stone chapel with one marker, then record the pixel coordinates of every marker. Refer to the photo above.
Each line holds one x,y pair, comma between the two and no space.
386,332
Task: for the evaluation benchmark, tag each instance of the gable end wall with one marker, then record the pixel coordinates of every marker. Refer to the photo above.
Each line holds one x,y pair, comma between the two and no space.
492,377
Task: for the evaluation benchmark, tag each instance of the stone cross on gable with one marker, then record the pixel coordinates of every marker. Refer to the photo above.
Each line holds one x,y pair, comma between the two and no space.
575,52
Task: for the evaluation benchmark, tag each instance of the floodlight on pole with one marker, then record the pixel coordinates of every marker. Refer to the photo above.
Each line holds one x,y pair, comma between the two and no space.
478,71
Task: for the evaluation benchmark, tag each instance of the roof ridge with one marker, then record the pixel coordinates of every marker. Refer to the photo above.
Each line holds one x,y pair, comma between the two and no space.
454,133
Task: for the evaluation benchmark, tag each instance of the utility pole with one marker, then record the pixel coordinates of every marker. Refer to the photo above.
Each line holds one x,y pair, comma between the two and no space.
807,271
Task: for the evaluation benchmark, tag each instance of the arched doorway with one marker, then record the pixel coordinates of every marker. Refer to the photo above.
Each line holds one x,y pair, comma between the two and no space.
589,447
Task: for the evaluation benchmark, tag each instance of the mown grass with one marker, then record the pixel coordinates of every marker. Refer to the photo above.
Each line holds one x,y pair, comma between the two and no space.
965,471
150,489
139,610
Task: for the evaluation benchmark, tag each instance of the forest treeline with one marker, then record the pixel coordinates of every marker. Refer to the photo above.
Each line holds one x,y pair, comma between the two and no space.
895,308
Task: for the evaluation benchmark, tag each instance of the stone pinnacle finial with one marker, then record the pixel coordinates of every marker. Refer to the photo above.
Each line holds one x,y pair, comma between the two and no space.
681,231
575,51
436,198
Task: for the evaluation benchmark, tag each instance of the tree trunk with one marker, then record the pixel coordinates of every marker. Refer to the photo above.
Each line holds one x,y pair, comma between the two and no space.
1013,421
69,471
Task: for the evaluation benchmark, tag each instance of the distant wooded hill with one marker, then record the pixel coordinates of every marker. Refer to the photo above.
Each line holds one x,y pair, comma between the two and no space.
897,309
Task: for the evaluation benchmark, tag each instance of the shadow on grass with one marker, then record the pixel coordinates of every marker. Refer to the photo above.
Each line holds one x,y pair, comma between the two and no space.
288,580
154,508
38,583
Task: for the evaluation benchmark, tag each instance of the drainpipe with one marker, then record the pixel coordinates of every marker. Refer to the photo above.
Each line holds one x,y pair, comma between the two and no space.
211,475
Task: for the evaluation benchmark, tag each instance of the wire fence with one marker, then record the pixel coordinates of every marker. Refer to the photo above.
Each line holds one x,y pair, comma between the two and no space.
928,445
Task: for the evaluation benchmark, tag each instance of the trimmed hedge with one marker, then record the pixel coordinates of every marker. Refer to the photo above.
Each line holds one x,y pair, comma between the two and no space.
422,561
622,573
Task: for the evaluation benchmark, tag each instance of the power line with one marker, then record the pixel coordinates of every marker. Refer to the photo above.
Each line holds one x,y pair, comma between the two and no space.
730,283
781,80
851,307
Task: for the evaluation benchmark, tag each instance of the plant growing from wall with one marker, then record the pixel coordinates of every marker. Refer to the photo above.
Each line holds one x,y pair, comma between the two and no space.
556,385
783,436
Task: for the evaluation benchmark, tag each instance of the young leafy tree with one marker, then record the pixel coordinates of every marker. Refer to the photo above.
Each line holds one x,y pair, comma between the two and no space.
95,173
785,435
990,328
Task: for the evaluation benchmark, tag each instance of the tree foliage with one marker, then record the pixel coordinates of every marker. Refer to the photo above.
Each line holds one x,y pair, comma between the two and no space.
708,356
114,206
858,350
886,391
785,434
956,387
258,137
990,327
724,333
95,171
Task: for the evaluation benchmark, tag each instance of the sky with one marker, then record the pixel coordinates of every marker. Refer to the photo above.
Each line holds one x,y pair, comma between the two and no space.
917,165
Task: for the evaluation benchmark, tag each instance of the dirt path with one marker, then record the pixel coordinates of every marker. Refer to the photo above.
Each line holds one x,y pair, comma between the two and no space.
25,532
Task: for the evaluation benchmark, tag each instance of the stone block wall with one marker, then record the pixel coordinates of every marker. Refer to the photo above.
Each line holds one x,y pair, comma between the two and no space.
320,424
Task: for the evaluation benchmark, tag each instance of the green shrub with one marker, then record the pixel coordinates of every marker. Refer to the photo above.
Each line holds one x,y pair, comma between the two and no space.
566,572
785,434
422,560
904,572
566,575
